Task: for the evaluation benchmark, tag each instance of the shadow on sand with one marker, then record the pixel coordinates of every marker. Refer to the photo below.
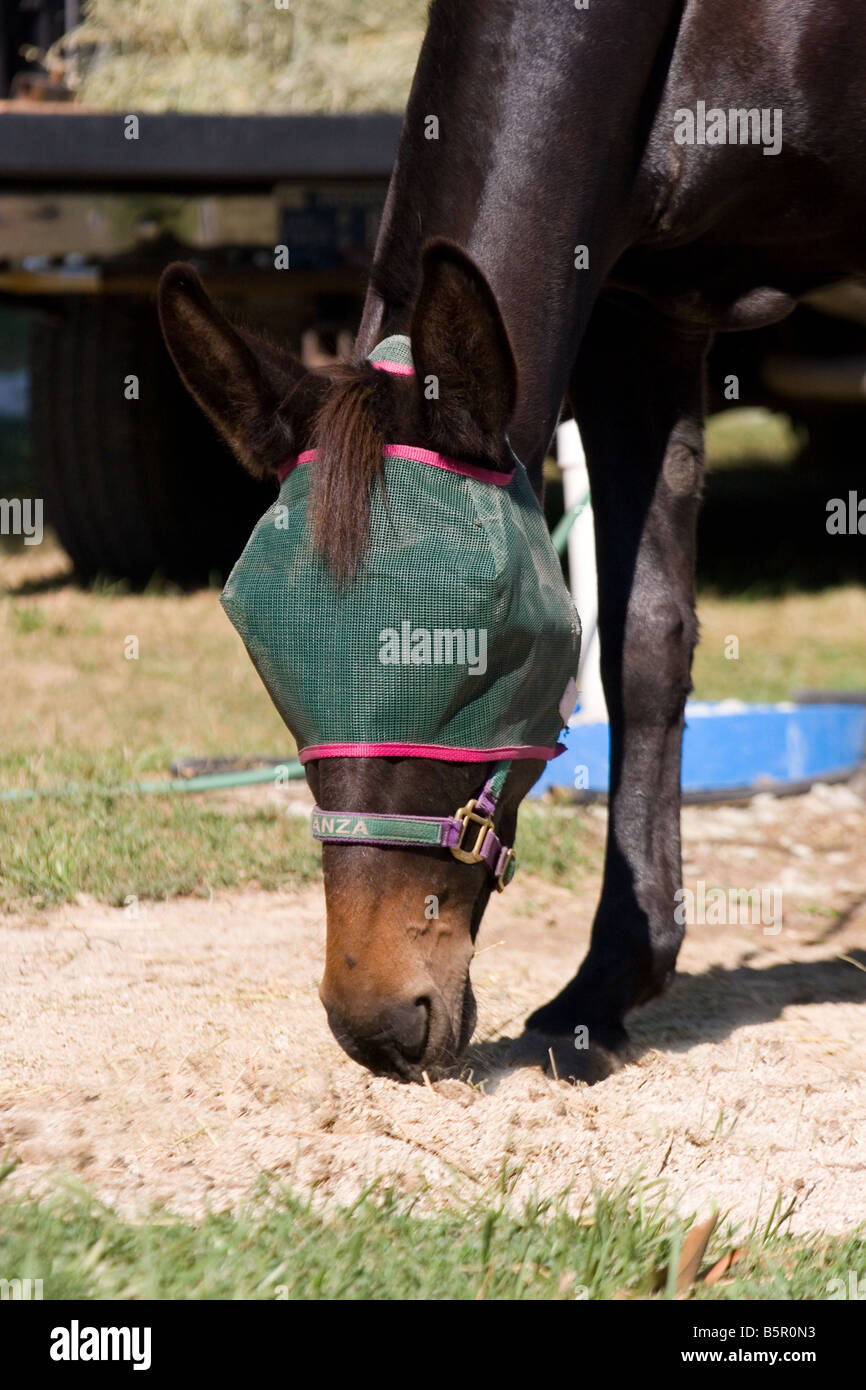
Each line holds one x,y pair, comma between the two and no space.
696,1009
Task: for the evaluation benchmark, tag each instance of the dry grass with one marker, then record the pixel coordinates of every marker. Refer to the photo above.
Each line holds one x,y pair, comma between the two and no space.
246,55
785,643
64,652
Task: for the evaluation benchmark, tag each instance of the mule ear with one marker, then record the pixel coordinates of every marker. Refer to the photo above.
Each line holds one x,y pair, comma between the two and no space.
460,341
258,397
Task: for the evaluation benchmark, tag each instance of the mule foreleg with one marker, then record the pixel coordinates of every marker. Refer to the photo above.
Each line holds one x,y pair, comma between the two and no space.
637,392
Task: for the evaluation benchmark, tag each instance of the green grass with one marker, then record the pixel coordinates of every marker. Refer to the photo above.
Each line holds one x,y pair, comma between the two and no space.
117,847
783,644
550,843
621,1245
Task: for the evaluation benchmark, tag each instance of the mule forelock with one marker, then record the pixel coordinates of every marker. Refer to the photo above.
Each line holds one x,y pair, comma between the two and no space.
349,440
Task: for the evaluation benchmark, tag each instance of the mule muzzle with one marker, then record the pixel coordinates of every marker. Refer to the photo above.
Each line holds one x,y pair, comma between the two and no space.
404,1038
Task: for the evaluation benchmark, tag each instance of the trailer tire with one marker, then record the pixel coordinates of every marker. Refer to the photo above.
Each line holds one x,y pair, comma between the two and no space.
136,486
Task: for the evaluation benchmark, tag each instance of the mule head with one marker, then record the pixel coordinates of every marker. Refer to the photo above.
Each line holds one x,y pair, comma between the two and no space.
401,923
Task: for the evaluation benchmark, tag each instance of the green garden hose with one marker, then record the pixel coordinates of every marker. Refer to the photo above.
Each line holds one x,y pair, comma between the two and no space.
562,529
290,771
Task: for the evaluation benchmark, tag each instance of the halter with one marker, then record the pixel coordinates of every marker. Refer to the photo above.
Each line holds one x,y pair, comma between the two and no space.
434,832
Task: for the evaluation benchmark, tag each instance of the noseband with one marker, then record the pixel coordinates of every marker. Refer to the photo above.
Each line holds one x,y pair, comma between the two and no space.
435,832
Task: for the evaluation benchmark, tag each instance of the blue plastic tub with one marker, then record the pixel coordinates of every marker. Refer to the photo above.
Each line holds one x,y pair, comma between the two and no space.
732,748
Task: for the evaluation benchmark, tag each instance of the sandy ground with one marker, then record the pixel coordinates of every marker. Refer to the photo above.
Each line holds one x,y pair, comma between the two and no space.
174,1055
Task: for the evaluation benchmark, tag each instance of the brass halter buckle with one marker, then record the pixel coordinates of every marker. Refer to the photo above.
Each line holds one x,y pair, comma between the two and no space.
468,814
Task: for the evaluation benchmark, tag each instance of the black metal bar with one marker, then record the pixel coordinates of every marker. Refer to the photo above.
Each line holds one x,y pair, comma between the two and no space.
69,148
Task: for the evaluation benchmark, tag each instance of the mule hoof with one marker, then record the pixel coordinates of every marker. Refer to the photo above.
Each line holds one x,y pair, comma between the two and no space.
560,1059
564,1018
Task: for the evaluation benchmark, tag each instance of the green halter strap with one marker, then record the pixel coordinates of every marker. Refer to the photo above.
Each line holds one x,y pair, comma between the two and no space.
434,832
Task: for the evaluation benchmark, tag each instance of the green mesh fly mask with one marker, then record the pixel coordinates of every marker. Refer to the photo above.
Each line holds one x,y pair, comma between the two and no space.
457,639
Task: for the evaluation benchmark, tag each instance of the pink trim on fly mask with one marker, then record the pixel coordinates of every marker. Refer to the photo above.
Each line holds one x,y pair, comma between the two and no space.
395,368
469,470
426,750
415,455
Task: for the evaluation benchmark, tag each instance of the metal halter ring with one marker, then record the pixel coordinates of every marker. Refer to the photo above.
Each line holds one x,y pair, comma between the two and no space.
467,814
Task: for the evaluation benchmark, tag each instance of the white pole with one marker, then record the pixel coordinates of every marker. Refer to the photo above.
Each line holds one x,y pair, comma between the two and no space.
582,572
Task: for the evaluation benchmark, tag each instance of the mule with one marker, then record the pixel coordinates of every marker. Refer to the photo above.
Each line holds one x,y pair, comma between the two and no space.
568,219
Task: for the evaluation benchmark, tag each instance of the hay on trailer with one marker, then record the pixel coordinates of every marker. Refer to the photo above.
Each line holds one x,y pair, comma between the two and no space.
238,56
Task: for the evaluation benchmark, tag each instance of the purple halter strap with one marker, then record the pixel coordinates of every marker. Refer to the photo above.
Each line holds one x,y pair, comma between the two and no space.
469,833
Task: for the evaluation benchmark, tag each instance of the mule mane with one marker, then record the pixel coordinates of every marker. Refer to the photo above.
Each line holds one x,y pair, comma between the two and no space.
349,437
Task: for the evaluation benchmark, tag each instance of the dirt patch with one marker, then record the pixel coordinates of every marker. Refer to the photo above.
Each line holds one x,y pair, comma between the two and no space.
172,1052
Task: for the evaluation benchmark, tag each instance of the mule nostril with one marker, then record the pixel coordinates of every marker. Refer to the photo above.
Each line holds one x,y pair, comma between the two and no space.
390,1041
407,1026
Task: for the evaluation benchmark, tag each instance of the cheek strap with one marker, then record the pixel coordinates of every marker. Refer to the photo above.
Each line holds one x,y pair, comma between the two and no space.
469,833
